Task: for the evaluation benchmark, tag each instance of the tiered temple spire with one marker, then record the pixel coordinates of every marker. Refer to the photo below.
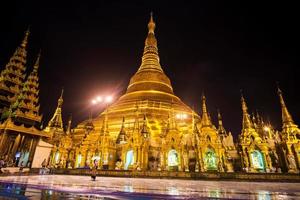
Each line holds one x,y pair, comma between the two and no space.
122,137
246,117
150,75
56,121
150,59
26,107
287,120
221,129
12,77
205,121
68,131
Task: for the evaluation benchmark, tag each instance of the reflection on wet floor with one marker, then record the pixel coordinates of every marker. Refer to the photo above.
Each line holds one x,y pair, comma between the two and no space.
54,187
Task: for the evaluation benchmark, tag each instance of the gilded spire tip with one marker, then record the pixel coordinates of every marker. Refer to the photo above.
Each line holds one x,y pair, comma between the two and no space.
37,62
25,40
62,92
151,24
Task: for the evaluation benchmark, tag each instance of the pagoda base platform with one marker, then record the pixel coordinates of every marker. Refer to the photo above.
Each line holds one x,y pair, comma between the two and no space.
235,176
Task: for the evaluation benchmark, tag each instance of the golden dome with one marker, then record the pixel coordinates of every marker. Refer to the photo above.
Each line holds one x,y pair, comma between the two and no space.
149,93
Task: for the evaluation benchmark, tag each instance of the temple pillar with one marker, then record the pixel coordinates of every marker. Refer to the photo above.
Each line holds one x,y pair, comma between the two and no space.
3,142
15,145
32,150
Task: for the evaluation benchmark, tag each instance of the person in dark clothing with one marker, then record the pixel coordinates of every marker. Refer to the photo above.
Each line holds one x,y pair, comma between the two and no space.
94,170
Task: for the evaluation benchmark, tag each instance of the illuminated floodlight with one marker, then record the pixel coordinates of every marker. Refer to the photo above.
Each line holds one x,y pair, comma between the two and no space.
94,101
108,99
99,99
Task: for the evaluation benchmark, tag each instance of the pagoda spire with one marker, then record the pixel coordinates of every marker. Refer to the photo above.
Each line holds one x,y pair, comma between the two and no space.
68,132
246,117
221,129
205,121
56,121
12,77
150,76
287,119
150,59
122,138
26,107
25,40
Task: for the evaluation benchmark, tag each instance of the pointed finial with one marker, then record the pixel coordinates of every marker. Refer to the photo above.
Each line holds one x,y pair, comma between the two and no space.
287,119
206,121
244,106
60,100
246,119
219,115
204,109
25,40
151,24
62,92
69,124
37,62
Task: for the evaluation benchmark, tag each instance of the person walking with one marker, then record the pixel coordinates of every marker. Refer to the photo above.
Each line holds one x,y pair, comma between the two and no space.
94,170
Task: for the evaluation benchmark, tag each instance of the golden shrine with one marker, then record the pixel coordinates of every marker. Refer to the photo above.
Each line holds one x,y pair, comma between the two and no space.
147,128
19,108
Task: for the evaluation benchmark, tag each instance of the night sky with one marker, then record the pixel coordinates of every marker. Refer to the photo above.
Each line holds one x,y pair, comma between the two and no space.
217,48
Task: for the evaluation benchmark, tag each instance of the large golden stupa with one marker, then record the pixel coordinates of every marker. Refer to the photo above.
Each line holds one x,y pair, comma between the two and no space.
150,128
149,103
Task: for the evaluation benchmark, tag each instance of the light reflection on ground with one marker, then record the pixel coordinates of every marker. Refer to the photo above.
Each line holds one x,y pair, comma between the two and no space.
81,187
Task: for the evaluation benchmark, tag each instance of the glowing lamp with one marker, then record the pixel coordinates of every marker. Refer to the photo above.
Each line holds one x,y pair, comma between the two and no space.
99,99
109,99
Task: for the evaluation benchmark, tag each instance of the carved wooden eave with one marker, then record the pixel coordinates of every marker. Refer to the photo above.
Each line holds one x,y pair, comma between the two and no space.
8,125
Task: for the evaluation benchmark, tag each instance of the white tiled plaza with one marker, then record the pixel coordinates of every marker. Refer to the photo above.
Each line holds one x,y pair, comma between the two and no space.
165,187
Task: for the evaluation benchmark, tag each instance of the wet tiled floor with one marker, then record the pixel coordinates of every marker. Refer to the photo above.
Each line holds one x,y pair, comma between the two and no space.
81,187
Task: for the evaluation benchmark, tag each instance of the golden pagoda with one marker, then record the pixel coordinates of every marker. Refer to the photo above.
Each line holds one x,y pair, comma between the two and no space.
140,130
20,132
254,148
290,138
60,139
12,77
148,128
55,125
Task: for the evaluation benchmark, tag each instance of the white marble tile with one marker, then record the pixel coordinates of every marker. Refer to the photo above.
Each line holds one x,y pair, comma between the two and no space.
174,188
